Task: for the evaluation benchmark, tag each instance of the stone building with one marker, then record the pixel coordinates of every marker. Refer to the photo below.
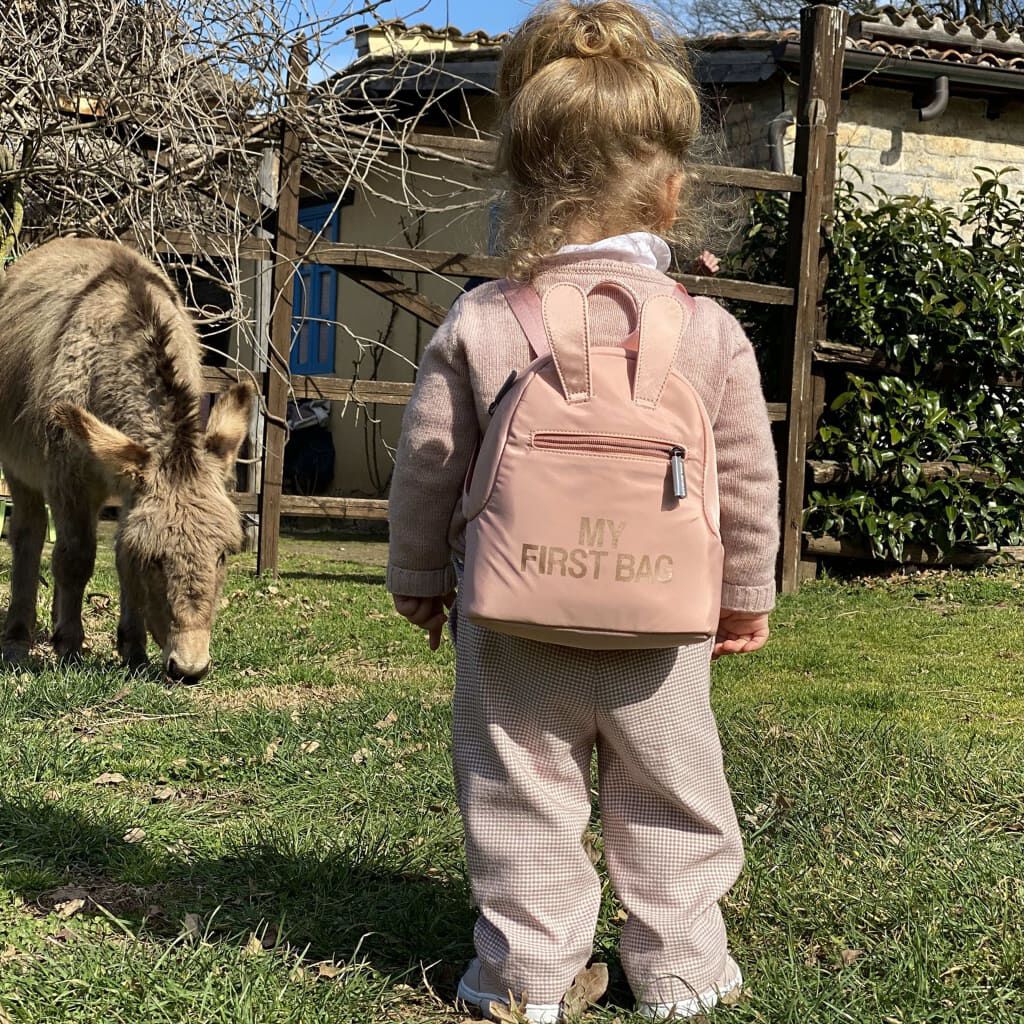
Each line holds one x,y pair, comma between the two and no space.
925,100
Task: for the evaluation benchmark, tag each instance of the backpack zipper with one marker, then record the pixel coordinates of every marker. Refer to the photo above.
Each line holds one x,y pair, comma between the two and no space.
598,444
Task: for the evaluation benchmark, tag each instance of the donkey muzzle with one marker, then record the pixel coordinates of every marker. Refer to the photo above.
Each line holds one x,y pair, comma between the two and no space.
187,657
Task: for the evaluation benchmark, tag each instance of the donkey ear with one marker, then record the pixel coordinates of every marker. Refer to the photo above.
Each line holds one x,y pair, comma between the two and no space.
229,423
117,453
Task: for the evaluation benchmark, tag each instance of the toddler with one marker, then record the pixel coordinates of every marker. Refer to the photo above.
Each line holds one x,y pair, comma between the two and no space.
599,115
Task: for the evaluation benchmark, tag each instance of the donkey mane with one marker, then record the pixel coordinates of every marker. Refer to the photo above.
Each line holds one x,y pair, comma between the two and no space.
180,401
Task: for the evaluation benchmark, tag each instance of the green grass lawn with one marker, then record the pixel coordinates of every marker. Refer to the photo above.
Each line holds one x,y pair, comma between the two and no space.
282,844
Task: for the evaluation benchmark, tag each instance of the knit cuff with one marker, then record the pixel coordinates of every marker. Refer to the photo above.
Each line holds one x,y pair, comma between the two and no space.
737,598
421,583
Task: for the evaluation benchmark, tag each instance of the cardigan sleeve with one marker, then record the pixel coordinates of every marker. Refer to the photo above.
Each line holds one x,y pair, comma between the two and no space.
439,435
748,480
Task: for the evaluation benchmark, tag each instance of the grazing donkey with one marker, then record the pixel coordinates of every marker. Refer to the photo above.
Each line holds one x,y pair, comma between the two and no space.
100,384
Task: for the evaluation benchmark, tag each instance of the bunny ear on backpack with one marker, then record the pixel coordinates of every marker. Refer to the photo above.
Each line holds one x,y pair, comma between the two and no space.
662,321
567,323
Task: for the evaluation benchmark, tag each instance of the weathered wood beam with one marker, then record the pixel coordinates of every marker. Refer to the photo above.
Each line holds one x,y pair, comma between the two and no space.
828,472
835,353
398,292
279,349
822,44
348,258
483,151
333,389
729,288
320,507
369,392
914,554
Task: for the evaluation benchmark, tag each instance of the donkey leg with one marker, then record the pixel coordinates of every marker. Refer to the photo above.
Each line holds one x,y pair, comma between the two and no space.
28,531
131,627
74,558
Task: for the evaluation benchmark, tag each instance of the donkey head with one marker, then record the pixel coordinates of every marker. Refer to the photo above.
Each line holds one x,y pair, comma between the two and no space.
178,526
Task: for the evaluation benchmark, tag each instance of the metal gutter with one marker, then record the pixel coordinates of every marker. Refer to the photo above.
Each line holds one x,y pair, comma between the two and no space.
973,77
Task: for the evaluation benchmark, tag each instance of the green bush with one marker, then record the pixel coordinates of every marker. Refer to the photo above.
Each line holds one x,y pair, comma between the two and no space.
939,291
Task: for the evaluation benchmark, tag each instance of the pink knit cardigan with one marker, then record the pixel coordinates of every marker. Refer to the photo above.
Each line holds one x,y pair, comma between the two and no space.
471,356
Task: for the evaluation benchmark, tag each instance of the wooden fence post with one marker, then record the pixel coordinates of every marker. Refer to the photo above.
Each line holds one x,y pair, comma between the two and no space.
822,44
280,342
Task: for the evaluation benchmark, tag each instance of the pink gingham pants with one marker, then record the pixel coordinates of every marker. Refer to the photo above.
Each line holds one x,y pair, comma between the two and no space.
527,718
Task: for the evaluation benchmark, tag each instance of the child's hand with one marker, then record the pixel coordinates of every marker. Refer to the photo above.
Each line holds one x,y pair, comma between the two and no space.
426,612
706,263
740,633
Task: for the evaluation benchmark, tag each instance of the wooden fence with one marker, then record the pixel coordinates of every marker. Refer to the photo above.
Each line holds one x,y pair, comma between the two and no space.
811,190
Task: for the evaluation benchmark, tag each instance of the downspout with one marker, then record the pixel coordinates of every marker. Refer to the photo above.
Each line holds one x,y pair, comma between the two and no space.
939,102
776,140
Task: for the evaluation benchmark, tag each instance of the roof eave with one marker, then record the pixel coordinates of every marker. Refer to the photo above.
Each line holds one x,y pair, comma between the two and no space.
974,78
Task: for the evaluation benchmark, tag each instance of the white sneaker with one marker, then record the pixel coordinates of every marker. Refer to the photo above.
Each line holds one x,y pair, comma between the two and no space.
469,992
682,1009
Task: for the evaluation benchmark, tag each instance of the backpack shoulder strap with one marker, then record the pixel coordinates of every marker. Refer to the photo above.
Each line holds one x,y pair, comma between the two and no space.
526,307
685,298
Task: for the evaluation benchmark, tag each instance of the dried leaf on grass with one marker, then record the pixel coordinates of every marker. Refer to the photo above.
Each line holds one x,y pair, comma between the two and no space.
328,970
505,1014
272,748
134,835
109,779
192,926
360,756
592,844
161,794
387,721
254,947
850,956
309,747
586,989
69,908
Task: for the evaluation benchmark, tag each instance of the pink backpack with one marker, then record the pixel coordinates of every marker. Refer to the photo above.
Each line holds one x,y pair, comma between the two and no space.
592,505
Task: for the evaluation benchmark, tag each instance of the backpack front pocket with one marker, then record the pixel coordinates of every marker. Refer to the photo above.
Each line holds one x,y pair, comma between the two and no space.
617,446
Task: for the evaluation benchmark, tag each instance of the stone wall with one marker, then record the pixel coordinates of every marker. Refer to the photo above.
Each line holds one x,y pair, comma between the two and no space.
883,142
882,137
744,117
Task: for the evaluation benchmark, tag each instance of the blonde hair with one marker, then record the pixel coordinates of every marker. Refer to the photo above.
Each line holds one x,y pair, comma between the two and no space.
598,113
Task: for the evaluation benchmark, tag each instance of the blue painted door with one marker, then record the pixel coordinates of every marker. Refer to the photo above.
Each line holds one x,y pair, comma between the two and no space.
315,301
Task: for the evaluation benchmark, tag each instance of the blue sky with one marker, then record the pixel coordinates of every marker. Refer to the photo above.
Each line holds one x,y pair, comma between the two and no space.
492,16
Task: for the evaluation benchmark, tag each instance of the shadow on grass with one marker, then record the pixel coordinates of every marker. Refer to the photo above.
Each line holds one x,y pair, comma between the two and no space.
344,904
372,578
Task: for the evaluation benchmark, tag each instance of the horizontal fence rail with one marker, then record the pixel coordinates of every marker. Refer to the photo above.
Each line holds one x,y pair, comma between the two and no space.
354,260
483,151
835,353
914,554
827,472
367,392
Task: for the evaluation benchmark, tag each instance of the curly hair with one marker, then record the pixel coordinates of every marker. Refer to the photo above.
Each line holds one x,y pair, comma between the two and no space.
598,114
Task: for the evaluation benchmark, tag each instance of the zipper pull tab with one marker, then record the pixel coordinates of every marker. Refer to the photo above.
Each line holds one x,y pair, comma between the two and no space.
502,392
676,457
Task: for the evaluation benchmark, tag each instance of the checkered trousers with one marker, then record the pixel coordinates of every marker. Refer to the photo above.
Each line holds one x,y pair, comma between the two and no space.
527,719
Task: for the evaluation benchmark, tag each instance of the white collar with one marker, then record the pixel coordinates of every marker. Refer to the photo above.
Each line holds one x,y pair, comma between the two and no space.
643,247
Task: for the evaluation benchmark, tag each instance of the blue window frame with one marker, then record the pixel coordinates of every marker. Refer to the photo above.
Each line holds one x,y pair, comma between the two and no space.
315,300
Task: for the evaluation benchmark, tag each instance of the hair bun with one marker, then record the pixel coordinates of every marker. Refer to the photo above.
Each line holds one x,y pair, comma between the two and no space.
601,29
609,29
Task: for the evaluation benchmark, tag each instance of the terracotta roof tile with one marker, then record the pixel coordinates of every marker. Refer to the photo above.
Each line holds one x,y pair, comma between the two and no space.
905,34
